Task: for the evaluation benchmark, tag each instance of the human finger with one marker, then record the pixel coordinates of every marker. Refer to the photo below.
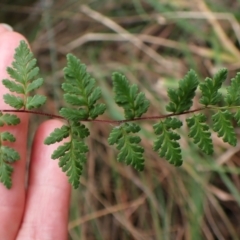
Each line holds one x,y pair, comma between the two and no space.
48,195
12,201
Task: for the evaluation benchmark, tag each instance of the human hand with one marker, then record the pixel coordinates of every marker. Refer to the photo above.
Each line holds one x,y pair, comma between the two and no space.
40,210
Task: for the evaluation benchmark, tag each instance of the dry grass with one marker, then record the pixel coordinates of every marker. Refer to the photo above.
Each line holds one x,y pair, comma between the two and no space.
154,43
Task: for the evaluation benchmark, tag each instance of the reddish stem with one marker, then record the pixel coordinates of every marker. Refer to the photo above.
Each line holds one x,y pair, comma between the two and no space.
104,120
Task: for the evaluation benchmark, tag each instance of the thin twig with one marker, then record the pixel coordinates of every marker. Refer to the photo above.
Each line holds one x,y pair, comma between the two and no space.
89,37
128,36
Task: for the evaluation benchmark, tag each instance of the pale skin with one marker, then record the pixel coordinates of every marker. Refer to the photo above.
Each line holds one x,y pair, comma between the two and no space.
39,209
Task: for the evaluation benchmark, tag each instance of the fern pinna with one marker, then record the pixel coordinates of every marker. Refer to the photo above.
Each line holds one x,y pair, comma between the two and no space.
82,98
81,94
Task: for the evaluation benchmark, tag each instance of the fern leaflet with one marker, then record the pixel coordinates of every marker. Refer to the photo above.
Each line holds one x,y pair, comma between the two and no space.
166,144
210,87
80,92
58,135
237,117
8,119
7,156
233,92
23,71
200,133
223,126
130,152
71,154
134,104
181,98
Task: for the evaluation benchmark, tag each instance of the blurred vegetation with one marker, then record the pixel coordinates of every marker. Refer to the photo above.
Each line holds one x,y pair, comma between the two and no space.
153,42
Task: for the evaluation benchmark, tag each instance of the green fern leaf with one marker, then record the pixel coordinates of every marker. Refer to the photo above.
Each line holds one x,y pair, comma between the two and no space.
95,94
71,159
79,131
199,131
79,88
7,156
233,92
237,117
115,135
130,152
8,119
97,110
223,126
34,85
12,86
71,154
14,101
23,71
72,89
24,65
134,104
72,162
61,150
181,98
210,87
75,100
166,144
7,136
35,102
5,174
58,135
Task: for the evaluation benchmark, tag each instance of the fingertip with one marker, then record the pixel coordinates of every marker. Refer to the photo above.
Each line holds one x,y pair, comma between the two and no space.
4,27
9,40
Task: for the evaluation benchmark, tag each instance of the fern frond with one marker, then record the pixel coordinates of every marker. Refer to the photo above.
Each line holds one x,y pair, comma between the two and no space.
200,133
181,98
233,92
82,97
223,126
23,80
127,96
7,156
167,143
210,87
80,91
23,72
130,151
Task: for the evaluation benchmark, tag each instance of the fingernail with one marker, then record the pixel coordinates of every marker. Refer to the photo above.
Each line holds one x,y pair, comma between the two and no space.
6,26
